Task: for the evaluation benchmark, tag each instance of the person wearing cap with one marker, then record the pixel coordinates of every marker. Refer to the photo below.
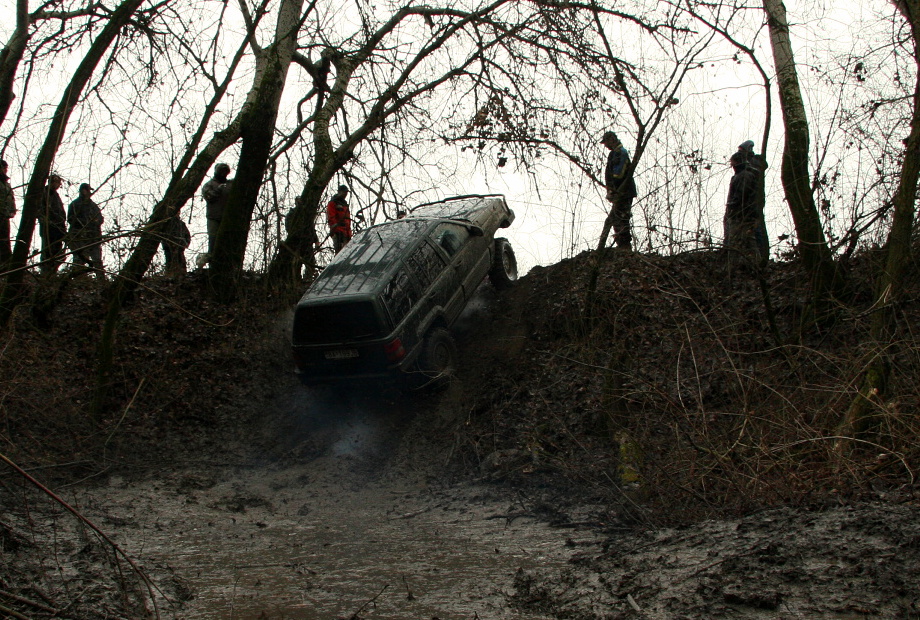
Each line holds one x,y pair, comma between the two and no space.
215,193
741,210
84,218
7,211
52,226
339,219
621,189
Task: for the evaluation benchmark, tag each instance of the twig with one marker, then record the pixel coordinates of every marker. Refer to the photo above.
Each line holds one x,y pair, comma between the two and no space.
854,439
13,614
127,409
22,599
355,615
632,603
409,595
118,550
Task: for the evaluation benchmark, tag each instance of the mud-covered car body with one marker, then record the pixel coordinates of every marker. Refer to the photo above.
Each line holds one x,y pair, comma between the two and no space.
382,307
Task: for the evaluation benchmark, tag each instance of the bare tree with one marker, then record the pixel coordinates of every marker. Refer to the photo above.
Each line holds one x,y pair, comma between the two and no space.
15,47
257,131
827,280
42,166
410,79
897,257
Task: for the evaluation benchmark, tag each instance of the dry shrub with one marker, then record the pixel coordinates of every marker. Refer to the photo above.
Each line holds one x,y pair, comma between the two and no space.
676,394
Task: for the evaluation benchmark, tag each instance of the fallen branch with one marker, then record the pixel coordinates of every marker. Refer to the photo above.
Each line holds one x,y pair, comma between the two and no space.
118,550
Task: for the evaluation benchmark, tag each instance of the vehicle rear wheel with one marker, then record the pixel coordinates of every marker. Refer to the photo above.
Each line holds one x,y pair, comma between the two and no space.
504,270
437,361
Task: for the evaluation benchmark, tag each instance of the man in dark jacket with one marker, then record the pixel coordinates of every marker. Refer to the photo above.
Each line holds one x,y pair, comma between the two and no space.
7,211
339,219
741,212
52,226
621,189
758,165
85,234
215,193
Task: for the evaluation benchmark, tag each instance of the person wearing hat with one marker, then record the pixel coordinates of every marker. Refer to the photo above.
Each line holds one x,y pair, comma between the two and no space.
7,211
84,218
621,189
215,194
339,219
741,210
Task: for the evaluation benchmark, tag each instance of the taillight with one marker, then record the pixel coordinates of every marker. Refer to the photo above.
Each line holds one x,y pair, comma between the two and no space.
394,350
298,359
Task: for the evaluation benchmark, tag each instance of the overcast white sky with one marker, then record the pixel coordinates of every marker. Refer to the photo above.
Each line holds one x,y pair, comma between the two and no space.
558,213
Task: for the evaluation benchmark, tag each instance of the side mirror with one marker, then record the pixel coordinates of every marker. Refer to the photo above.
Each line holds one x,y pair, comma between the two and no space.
475,231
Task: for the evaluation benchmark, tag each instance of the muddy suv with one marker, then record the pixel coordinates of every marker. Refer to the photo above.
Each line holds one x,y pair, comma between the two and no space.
384,306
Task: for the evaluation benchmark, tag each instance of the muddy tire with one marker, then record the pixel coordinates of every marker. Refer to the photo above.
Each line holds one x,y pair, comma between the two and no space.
438,359
504,271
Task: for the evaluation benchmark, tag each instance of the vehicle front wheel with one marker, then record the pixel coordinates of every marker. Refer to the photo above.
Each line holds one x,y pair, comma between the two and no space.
504,270
437,361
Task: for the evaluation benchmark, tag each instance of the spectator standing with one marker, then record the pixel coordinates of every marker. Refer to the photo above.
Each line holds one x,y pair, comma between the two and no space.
84,218
741,210
52,226
7,211
758,165
215,193
176,238
621,190
339,219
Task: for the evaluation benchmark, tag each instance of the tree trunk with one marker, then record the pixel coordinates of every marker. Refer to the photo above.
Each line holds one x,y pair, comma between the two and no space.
897,262
180,191
298,247
257,131
43,162
11,56
816,254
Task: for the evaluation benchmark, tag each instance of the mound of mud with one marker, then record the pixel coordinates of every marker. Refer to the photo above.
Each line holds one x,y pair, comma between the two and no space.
841,562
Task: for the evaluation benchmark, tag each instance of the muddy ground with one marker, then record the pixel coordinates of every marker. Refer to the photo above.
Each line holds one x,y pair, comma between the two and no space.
246,495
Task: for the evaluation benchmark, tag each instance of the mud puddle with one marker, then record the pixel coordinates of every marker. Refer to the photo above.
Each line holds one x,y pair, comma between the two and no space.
345,518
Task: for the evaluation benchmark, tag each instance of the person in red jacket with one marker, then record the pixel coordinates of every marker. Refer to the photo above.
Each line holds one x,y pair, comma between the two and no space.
339,219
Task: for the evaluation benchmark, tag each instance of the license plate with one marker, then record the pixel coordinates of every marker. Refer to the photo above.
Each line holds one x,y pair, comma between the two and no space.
341,354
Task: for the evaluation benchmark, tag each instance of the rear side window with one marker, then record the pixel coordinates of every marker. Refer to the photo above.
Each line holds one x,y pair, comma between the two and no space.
426,265
400,295
450,237
337,323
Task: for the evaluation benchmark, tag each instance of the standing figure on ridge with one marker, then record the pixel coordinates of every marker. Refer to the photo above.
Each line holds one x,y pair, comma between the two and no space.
215,194
84,218
621,190
176,238
339,219
758,165
741,211
52,226
7,211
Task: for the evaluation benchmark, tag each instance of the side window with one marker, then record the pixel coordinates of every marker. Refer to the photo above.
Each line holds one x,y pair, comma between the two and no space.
399,296
450,237
425,264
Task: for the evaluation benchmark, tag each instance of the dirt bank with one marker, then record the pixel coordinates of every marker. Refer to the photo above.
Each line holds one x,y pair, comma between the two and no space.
664,460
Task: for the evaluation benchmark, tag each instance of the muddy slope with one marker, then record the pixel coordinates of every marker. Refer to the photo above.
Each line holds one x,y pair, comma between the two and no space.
666,458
